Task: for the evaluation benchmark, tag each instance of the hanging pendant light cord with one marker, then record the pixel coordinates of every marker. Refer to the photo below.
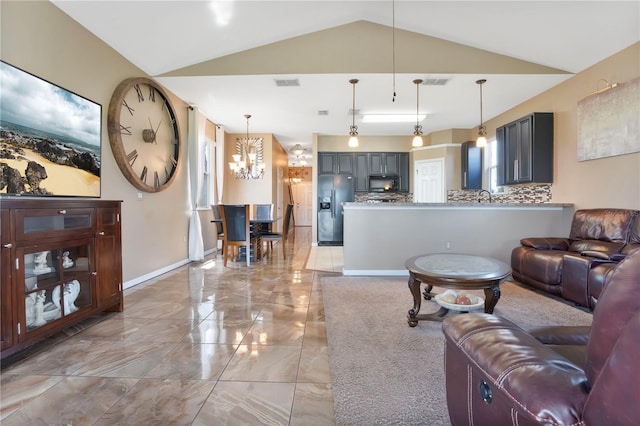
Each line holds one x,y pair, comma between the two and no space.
393,47
417,103
353,107
481,121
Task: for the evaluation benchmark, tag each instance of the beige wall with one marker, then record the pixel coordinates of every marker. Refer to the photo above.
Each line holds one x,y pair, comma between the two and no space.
39,38
367,144
605,182
259,191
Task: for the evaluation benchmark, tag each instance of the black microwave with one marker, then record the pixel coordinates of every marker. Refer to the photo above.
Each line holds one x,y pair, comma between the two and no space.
383,183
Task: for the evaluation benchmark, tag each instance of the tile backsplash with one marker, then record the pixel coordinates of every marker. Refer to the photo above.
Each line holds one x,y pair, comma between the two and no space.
519,194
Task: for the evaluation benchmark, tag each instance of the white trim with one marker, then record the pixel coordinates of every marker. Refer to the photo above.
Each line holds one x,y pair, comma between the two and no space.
442,145
158,272
376,272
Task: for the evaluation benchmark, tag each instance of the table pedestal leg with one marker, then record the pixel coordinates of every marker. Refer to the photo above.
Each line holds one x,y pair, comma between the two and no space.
413,317
491,297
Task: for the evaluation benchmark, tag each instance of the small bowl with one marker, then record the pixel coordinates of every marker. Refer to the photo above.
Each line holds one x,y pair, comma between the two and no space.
456,307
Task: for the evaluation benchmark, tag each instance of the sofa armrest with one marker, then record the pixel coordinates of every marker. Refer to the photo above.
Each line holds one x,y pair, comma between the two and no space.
596,254
546,243
521,375
560,335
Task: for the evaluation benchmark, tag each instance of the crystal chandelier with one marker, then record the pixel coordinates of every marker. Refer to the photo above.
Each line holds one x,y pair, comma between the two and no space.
247,162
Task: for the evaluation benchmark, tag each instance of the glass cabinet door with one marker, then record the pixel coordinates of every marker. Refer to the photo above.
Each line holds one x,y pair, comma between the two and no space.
33,225
57,283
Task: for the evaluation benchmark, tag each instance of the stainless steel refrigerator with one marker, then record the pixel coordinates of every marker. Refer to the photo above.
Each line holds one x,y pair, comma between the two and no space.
333,190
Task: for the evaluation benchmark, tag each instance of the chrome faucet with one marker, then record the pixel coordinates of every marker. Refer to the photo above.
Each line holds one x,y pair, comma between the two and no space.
480,194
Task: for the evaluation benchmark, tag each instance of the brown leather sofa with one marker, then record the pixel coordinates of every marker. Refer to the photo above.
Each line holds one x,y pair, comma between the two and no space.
500,374
576,267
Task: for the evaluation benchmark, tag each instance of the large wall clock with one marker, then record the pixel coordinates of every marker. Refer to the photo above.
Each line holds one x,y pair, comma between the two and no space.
144,134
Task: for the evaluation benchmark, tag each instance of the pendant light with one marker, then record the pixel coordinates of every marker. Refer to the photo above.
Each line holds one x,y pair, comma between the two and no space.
481,142
353,130
417,130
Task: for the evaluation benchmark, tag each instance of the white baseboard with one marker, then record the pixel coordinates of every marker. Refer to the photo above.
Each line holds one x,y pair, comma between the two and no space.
158,272
376,272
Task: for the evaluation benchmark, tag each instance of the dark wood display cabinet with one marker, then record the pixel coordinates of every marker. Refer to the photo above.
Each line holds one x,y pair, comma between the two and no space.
525,150
61,262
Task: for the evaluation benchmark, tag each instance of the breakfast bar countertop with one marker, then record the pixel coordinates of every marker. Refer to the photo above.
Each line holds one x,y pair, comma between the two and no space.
462,205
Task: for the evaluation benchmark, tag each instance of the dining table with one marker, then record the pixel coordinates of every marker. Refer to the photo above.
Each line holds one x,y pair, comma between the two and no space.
257,231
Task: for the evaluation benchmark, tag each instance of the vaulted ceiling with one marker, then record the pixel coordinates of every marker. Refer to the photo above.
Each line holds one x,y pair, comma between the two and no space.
231,58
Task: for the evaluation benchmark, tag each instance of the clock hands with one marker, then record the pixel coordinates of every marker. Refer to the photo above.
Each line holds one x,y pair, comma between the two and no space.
149,135
155,132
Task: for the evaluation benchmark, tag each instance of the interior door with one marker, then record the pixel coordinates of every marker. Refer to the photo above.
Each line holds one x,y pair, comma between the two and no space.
302,208
429,187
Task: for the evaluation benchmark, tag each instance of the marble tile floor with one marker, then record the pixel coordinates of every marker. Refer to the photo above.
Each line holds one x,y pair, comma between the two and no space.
200,345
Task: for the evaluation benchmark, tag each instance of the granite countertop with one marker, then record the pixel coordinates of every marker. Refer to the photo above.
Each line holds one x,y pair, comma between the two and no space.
458,204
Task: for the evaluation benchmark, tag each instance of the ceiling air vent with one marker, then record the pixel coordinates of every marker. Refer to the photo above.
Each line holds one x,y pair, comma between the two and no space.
289,82
435,81
323,112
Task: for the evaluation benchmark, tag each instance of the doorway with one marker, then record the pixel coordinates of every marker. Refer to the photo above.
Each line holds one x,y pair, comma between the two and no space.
429,187
302,195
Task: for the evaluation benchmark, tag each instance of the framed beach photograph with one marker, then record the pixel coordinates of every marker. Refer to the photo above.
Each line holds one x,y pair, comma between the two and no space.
50,138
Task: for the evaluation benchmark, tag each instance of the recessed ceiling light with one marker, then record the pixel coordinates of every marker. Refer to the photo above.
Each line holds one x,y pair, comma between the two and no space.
392,118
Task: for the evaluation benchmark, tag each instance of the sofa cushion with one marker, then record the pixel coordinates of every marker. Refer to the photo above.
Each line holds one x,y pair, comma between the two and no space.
543,265
602,224
596,245
546,243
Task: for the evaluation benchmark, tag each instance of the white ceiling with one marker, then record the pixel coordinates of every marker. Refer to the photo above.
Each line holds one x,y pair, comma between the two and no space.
164,36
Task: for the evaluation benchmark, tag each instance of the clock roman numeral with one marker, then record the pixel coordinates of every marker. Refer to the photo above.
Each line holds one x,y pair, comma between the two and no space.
166,173
132,156
125,130
139,92
143,175
173,161
126,105
156,180
152,94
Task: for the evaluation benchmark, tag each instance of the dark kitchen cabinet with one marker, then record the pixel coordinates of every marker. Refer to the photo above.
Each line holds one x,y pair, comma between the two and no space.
403,171
385,163
362,164
362,172
335,163
525,150
471,162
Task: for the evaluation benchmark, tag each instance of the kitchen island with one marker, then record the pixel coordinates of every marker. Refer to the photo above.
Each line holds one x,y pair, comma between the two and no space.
379,238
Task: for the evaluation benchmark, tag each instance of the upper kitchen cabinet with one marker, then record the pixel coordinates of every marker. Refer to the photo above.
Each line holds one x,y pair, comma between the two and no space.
362,172
384,163
525,150
335,163
403,165
471,162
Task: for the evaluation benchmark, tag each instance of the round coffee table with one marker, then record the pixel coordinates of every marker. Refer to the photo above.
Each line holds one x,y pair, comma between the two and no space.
454,271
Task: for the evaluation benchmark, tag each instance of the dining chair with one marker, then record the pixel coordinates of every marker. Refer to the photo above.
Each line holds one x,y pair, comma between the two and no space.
237,231
219,234
263,211
270,237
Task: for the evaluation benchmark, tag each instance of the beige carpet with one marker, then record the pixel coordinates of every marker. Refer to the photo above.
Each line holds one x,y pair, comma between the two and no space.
387,373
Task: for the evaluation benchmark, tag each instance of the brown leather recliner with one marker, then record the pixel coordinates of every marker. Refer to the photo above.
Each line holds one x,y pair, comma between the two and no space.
554,264
499,374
